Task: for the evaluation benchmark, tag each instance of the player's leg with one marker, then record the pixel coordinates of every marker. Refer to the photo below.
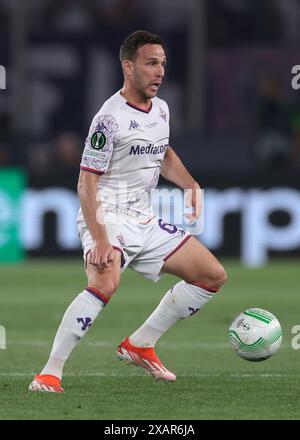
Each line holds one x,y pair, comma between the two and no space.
194,263
202,275
77,319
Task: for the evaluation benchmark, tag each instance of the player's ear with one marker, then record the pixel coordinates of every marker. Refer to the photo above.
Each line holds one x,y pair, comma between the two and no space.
127,67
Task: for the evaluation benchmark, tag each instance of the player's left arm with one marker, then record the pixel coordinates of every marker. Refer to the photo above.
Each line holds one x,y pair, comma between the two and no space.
174,171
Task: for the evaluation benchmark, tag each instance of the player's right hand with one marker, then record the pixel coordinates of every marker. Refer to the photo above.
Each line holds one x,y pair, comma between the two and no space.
193,199
101,255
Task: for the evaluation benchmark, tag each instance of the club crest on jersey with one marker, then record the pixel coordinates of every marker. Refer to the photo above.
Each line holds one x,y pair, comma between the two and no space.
133,125
162,114
121,240
98,140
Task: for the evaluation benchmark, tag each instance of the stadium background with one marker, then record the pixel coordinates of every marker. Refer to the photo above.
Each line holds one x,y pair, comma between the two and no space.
235,122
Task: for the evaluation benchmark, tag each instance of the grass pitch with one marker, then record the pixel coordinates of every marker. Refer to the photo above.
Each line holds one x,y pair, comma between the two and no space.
212,382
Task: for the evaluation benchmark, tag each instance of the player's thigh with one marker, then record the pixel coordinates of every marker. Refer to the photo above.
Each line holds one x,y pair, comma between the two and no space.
105,280
193,262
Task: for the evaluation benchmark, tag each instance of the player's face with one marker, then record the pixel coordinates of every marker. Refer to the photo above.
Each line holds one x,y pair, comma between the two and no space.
149,69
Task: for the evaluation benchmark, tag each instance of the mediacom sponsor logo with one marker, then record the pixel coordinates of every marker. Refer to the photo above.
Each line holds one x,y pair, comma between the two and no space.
150,149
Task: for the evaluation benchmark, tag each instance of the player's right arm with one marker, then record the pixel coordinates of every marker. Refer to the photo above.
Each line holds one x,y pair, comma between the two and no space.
102,253
99,145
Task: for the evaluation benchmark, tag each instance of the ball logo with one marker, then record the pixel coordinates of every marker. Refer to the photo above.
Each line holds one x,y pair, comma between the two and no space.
98,140
239,323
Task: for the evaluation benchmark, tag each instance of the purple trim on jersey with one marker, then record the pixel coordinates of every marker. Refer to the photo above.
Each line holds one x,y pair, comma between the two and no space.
177,247
138,108
114,247
122,255
90,170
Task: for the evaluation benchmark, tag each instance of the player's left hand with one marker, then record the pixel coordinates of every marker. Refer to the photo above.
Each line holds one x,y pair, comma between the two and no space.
193,199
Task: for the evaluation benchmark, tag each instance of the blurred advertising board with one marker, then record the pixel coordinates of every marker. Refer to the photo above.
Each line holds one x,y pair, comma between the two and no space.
251,223
12,186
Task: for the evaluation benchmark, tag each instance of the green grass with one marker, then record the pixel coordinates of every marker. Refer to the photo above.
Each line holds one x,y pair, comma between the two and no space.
212,382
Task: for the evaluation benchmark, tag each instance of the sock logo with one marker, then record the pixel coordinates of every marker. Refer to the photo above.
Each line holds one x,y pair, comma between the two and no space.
86,322
193,311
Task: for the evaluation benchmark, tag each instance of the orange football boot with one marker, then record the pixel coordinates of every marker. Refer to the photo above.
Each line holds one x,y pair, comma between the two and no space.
145,358
46,383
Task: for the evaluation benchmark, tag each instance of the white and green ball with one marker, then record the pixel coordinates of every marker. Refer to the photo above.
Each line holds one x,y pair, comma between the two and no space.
255,334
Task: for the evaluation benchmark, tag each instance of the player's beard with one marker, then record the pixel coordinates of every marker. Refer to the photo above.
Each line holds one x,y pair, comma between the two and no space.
144,93
147,94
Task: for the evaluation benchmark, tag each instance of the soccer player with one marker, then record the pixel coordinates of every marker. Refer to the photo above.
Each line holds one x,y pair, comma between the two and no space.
126,149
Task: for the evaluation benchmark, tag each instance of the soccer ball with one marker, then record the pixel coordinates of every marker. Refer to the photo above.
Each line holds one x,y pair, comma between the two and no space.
255,334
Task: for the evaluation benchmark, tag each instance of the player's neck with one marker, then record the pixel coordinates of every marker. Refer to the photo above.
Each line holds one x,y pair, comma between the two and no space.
134,98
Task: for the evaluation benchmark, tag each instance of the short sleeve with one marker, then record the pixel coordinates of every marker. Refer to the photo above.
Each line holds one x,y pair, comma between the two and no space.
103,136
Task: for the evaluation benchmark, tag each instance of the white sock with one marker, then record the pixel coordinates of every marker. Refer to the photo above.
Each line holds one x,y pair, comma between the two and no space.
182,301
77,319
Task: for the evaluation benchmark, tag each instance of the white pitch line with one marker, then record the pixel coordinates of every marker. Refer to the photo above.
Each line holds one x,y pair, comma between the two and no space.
189,375
169,345
110,344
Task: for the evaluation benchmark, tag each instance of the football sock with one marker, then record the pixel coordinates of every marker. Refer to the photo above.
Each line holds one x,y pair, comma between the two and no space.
182,301
77,319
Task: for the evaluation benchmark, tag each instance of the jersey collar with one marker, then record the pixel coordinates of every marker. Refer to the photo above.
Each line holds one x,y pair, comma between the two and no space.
135,106
138,108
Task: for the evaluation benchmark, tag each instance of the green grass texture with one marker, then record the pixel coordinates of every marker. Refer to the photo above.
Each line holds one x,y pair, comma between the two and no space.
212,381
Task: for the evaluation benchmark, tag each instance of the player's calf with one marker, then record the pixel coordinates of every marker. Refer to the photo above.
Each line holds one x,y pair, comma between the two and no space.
182,301
76,322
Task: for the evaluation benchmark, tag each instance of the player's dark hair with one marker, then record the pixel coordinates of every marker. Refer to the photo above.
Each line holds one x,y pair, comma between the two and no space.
131,44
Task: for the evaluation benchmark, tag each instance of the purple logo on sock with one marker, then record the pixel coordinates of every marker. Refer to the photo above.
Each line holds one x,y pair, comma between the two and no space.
86,322
193,311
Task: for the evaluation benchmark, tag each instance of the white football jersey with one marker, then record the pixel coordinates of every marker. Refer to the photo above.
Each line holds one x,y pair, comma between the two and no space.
126,146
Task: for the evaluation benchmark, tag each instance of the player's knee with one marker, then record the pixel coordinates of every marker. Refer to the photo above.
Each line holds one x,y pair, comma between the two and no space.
219,276
215,278
107,287
110,287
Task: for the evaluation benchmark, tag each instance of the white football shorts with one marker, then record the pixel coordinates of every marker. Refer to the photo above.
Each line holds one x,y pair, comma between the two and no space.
144,247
